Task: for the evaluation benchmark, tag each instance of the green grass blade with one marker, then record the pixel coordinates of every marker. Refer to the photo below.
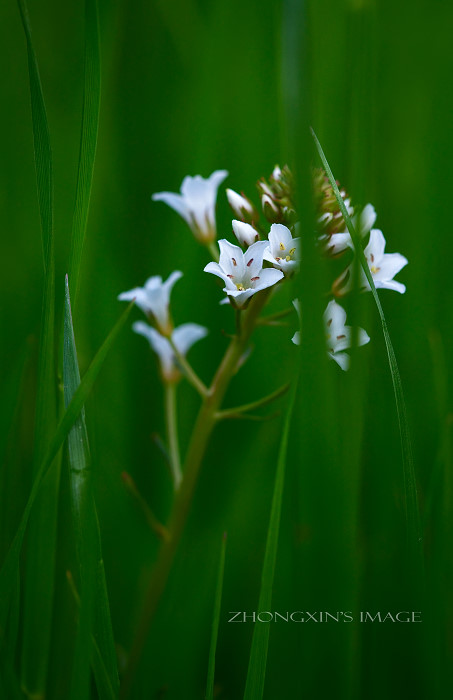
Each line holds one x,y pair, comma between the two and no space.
41,140
87,538
215,623
38,590
256,673
414,537
88,140
97,663
9,569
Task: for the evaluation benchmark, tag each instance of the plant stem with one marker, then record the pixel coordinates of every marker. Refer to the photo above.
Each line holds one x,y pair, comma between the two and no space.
233,412
172,433
187,370
204,425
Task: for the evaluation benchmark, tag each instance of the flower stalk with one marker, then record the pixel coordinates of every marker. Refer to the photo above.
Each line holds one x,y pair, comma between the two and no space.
172,433
205,422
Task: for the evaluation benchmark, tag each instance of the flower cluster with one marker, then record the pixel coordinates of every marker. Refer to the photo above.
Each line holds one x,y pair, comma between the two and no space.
265,258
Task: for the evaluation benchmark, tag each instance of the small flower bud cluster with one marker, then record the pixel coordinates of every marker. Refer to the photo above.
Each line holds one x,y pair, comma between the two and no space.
277,196
329,215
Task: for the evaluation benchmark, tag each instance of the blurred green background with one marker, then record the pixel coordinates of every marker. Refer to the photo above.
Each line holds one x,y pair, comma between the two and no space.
189,87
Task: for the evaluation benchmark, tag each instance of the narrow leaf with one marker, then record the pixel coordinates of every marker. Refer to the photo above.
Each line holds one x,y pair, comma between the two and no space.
38,590
256,673
9,569
94,606
88,140
215,622
411,500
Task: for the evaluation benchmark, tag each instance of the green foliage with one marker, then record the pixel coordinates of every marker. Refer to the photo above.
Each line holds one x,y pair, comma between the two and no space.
188,88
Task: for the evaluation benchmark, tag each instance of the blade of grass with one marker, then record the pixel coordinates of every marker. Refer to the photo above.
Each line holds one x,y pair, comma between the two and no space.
256,673
88,141
97,663
38,590
215,622
9,569
87,538
414,538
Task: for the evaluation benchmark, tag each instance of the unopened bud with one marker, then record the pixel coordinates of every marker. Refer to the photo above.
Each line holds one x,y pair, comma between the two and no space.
270,210
245,233
242,206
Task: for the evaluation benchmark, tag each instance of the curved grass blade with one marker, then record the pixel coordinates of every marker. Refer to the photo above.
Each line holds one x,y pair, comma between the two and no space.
88,140
87,539
38,590
414,538
10,566
215,622
256,673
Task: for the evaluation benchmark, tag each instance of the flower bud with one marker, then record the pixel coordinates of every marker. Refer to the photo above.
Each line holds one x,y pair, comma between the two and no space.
271,210
242,207
245,233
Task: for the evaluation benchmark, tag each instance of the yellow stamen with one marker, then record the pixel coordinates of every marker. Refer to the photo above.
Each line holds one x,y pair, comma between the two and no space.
282,247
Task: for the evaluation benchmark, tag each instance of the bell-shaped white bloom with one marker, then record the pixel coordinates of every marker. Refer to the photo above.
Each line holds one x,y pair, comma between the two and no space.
283,251
339,242
242,206
245,233
183,337
243,273
383,267
154,300
196,203
338,335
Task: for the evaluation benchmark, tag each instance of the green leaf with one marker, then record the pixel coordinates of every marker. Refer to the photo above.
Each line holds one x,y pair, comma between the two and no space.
215,622
256,673
94,605
411,501
88,140
9,569
38,590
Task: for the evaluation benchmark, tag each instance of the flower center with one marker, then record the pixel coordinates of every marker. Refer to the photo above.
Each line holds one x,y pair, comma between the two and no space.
374,269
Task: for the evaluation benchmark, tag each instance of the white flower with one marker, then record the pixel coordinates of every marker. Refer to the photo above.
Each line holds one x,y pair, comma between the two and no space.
338,242
242,206
338,335
183,337
245,233
196,203
283,251
154,299
243,272
383,267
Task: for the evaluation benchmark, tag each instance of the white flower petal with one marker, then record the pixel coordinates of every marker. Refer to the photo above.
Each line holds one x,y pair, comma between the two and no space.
390,284
196,203
186,335
281,240
158,343
367,219
389,266
175,201
245,233
253,257
376,246
341,358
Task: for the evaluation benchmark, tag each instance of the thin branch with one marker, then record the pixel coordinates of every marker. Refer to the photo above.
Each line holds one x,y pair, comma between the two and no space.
239,410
